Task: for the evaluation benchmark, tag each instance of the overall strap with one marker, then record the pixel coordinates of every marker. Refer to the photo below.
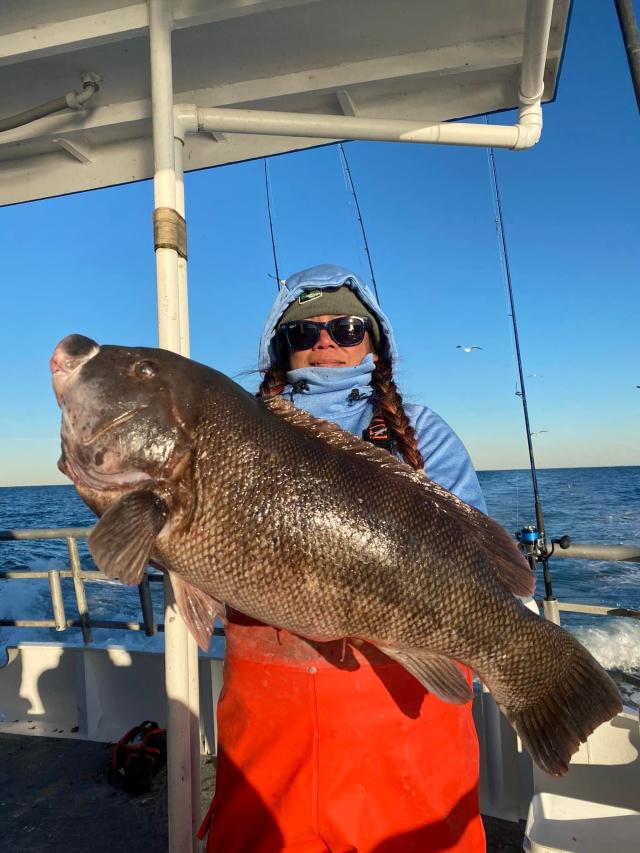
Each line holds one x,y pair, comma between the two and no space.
377,432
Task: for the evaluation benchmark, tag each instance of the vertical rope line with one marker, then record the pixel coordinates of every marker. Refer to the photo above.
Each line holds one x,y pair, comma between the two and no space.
273,240
352,189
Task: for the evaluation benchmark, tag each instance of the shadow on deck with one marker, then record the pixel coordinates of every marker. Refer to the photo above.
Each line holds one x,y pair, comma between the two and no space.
54,795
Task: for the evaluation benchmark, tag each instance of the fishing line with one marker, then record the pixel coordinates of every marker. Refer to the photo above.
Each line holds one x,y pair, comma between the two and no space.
267,184
531,540
352,190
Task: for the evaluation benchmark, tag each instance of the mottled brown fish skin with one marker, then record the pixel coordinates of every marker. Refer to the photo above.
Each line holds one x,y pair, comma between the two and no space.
328,545
307,528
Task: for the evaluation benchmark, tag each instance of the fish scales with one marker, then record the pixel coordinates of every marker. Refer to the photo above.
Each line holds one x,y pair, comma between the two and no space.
321,544
259,506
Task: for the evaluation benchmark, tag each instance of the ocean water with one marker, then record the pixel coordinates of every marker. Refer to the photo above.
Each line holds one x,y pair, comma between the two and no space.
591,505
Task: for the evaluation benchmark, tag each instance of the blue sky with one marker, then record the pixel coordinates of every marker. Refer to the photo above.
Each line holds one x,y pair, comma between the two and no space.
84,263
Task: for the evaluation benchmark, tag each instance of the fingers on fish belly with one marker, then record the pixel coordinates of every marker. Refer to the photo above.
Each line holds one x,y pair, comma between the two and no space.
553,728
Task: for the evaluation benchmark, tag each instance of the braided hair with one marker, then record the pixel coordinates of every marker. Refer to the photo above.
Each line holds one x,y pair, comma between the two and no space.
273,381
388,402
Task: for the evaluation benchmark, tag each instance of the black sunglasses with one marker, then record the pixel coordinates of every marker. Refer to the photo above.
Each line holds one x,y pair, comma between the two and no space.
344,331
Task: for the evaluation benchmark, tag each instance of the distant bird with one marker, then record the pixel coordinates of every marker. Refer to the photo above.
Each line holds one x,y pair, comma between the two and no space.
535,375
539,432
467,349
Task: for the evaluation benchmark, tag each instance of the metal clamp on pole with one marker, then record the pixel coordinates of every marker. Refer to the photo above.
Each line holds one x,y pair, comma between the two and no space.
170,230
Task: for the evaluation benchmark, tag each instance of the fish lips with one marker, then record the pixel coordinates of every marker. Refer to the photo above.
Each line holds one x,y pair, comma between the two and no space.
68,357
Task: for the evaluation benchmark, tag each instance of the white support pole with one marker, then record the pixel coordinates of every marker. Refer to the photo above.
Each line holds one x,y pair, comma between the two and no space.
192,648
181,672
183,299
164,178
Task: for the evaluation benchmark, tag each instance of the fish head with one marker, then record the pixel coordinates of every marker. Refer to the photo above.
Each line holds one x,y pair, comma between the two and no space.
128,416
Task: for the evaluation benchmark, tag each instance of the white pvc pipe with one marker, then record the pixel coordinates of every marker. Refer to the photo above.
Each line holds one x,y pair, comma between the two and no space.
312,125
534,54
192,648
179,662
164,179
176,656
525,133
183,298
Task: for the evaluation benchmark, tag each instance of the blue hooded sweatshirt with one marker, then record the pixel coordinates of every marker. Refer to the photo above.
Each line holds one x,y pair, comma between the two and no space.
328,393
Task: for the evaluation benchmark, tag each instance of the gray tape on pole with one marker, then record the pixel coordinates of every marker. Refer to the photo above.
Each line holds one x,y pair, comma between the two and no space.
169,230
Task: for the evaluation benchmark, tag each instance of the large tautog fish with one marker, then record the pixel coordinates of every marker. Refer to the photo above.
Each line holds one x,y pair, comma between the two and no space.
256,504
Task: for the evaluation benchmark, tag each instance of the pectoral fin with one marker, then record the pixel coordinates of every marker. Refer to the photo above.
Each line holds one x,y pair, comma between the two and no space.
121,541
197,609
437,674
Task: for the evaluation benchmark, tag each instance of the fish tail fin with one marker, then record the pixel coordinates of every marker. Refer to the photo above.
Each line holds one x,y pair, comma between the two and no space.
553,728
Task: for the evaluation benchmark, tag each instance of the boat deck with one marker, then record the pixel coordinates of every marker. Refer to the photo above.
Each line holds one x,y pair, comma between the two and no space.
55,796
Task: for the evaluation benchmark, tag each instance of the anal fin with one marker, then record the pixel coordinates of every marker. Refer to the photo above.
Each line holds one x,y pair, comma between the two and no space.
437,674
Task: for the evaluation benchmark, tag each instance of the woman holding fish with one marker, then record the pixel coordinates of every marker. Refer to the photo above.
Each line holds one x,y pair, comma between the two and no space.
328,746
260,507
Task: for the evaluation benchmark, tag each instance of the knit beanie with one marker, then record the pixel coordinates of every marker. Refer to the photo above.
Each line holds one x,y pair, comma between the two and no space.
330,300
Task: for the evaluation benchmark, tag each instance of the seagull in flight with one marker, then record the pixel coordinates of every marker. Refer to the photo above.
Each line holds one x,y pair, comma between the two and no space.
467,349
539,432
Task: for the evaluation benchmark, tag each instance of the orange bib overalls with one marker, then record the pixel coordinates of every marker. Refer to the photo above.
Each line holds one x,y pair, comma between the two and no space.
339,751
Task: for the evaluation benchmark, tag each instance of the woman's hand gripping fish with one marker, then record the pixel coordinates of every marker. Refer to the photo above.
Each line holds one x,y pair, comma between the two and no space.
256,504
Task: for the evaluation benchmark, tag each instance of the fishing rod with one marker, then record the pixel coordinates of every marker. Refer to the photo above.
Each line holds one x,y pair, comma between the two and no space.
532,539
273,239
352,190
631,38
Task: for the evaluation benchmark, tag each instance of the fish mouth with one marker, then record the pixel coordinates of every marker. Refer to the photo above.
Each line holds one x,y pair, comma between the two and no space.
67,359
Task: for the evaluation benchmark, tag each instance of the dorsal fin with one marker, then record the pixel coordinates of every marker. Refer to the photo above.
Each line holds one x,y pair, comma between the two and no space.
335,436
504,557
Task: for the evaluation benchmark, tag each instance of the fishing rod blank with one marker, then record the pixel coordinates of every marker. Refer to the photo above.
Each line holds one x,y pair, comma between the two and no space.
273,241
532,539
352,190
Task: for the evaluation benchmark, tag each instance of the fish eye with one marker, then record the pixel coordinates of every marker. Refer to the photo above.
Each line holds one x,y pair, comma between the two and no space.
145,369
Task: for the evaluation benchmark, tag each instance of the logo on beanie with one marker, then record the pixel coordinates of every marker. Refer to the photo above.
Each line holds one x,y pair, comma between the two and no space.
309,295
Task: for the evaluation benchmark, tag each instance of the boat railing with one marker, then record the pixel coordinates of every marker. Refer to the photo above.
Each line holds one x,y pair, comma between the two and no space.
79,576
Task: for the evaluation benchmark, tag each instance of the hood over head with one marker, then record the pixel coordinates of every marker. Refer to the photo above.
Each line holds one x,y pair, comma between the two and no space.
323,278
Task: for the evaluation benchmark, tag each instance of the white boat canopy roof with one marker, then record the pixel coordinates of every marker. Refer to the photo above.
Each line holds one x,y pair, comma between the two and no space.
427,62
